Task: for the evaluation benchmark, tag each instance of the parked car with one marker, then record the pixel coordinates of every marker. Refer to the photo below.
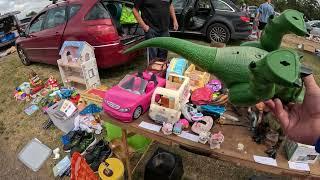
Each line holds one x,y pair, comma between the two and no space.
218,20
313,27
9,27
24,22
96,22
252,10
129,99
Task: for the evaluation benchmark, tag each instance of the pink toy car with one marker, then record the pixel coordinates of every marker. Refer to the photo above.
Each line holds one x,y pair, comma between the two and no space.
132,96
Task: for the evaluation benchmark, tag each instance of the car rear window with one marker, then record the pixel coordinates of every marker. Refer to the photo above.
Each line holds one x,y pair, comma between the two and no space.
97,12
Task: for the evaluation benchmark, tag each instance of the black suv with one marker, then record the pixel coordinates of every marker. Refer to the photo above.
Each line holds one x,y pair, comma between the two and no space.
218,20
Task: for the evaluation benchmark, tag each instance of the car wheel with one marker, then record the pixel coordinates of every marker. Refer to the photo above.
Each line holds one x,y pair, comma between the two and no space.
219,33
23,57
137,113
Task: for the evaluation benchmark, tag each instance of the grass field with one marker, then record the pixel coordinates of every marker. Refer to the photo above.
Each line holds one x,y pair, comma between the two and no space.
16,128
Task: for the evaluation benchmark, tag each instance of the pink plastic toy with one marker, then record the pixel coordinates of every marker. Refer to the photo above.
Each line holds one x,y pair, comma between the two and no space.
185,123
203,125
216,140
131,98
167,128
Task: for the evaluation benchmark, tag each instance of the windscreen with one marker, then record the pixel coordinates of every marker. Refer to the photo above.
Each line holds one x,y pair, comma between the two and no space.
6,24
133,84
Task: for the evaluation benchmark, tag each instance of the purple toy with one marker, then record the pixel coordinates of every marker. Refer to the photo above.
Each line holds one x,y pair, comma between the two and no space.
214,85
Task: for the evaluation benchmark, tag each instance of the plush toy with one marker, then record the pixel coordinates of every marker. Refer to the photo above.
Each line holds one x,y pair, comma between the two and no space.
253,72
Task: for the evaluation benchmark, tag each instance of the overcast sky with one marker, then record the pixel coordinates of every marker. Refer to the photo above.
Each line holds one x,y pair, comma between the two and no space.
25,6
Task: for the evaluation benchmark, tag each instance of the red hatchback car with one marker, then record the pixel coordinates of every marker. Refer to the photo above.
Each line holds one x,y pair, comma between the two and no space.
96,22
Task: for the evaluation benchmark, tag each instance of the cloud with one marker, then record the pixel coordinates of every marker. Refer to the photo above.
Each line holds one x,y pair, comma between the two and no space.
24,6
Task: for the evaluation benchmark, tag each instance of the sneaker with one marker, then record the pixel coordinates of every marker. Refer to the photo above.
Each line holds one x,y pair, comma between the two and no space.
87,141
94,152
103,156
75,138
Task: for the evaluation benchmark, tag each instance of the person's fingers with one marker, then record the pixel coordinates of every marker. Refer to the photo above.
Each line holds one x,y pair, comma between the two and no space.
310,84
281,114
271,105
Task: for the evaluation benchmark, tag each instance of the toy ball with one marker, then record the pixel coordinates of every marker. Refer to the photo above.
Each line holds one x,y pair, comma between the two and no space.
185,123
214,85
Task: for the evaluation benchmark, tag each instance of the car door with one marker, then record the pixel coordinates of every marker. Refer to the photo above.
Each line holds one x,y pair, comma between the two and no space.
53,29
181,8
31,43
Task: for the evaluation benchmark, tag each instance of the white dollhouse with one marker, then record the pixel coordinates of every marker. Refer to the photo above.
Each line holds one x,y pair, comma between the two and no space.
78,66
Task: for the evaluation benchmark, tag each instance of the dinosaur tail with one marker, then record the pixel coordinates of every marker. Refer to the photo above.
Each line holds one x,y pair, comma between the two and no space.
202,56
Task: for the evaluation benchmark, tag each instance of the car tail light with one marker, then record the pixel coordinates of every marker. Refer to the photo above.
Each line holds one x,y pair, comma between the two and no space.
103,33
245,18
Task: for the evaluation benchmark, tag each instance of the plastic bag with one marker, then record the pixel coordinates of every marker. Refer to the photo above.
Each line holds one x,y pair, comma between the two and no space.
127,16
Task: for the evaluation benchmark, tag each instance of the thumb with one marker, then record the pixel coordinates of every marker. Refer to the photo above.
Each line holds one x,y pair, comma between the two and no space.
311,85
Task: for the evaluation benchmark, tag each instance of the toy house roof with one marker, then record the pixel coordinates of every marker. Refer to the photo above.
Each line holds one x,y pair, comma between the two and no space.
78,44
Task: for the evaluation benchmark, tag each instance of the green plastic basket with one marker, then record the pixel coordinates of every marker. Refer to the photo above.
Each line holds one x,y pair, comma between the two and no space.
137,142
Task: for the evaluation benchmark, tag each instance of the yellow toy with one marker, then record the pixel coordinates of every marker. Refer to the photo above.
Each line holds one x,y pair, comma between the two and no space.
111,169
198,78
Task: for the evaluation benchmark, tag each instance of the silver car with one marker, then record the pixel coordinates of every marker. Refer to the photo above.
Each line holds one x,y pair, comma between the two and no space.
313,27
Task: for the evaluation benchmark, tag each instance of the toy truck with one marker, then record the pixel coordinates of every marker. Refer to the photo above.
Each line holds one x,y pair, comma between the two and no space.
166,102
198,78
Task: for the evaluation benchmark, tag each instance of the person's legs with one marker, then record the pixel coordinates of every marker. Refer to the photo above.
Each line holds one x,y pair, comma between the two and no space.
152,52
162,53
261,28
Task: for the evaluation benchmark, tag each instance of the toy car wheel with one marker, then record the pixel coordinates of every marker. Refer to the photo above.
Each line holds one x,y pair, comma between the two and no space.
137,113
218,33
23,57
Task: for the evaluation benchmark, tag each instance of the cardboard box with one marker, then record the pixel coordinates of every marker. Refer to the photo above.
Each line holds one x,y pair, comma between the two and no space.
297,152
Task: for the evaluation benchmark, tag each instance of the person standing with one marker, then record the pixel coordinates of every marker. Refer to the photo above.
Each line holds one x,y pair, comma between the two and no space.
265,10
155,21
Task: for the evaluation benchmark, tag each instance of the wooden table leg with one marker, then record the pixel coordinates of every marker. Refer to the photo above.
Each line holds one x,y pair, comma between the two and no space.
126,153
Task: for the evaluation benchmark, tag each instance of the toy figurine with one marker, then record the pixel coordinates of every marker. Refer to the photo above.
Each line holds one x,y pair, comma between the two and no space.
185,123
216,140
203,125
52,83
177,129
253,72
167,128
204,137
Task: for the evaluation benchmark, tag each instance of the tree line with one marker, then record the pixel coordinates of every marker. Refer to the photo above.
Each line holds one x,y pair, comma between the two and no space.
310,8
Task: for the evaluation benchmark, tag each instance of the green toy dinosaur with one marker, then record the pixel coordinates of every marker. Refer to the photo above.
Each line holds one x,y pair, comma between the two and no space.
251,74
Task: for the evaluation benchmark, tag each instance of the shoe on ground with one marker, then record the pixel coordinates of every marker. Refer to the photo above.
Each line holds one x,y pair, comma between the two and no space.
75,138
94,151
103,156
87,141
